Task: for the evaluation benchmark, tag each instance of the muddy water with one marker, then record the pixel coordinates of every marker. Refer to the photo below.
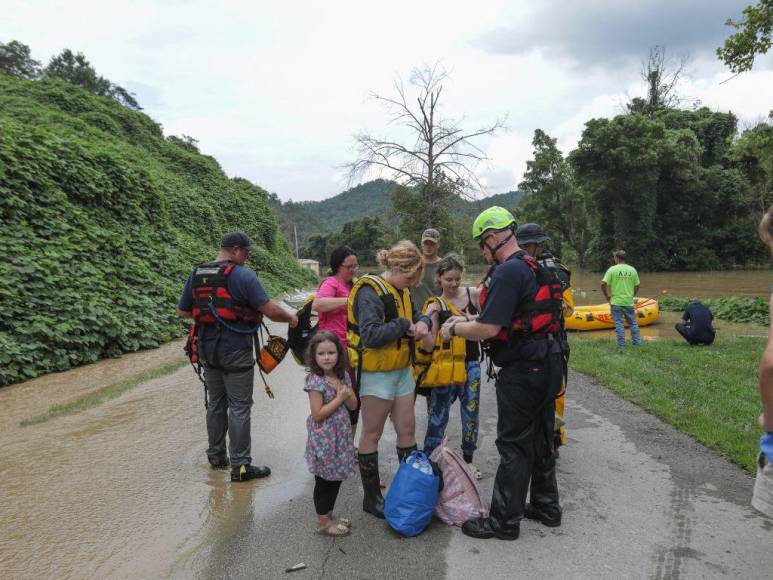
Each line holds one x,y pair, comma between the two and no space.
749,283
123,490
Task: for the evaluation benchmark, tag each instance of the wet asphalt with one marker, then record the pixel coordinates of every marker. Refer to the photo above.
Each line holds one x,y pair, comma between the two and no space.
125,492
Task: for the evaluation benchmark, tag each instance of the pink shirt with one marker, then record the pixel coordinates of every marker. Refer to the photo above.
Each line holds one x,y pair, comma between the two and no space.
334,320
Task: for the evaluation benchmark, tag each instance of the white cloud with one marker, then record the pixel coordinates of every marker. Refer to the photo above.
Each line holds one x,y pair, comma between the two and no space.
275,90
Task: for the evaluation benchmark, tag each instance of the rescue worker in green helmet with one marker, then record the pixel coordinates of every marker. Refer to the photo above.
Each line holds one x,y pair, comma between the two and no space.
520,317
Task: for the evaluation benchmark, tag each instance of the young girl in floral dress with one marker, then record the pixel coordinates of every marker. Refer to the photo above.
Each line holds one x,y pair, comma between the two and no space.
330,452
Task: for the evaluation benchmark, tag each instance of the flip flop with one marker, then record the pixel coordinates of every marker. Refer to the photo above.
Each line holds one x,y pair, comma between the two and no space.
335,530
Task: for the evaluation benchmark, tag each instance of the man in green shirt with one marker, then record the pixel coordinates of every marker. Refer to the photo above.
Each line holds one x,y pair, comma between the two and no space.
620,285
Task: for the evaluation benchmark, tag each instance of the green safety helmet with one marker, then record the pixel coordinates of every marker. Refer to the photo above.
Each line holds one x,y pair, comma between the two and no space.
493,218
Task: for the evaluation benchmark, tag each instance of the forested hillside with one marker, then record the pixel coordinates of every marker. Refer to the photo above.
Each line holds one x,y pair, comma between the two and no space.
328,215
363,218
103,218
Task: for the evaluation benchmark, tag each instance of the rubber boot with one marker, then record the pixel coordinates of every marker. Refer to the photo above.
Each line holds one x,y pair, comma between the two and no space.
373,501
403,452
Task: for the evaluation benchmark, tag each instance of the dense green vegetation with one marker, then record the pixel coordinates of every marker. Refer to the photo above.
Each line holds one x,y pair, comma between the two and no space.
681,385
752,39
677,189
103,219
731,308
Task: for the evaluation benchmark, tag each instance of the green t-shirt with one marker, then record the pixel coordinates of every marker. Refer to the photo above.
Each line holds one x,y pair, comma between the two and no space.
622,279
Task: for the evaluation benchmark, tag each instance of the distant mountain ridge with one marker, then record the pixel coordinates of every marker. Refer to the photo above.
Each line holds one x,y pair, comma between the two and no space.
367,199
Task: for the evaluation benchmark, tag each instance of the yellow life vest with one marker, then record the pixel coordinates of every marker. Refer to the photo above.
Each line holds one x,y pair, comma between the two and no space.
445,365
397,304
568,302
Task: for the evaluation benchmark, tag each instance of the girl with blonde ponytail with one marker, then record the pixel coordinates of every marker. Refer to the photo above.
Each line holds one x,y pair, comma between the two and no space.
383,325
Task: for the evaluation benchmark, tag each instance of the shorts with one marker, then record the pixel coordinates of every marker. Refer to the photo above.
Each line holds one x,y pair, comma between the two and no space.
388,385
762,499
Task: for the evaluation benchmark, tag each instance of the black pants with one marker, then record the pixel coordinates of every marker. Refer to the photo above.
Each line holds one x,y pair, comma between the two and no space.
526,394
688,334
325,494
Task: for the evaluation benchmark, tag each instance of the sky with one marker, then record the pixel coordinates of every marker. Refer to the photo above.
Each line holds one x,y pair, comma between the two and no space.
275,91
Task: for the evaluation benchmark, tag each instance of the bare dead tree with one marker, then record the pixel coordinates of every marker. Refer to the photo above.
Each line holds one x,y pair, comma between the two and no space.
662,74
437,150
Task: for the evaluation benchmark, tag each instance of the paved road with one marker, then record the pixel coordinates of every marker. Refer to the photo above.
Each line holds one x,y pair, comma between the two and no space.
127,493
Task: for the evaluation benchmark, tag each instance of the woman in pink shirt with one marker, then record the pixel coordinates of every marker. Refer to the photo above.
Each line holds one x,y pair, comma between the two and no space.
330,304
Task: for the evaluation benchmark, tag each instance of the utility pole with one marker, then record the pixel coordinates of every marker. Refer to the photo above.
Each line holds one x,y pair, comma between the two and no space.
295,231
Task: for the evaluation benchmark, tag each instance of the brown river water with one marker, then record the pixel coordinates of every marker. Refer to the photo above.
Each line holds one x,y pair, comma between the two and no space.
123,490
751,283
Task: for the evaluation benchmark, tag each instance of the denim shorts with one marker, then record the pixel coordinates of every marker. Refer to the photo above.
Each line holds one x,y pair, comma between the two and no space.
763,486
387,385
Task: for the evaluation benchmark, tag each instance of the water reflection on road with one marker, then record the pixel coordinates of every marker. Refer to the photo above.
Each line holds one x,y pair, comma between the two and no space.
123,489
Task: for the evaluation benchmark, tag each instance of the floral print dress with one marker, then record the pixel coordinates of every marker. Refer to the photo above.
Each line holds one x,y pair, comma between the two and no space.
330,452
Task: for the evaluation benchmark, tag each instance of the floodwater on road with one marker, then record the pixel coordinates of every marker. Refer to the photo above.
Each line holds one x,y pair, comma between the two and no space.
124,490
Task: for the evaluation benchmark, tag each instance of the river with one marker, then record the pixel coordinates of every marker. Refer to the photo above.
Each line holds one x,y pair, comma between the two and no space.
750,283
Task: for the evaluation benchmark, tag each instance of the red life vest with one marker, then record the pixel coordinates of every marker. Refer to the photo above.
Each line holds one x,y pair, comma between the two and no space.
210,287
541,316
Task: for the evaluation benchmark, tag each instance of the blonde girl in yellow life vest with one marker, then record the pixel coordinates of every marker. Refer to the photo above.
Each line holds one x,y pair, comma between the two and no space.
383,326
450,370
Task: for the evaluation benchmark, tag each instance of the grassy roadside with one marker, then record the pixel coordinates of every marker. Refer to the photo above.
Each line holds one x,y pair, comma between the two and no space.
710,393
103,394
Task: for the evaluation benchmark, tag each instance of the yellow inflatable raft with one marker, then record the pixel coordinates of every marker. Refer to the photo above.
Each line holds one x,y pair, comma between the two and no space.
598,316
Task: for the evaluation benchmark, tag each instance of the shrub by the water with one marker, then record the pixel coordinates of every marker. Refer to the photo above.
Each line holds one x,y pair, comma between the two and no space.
731,308
103,219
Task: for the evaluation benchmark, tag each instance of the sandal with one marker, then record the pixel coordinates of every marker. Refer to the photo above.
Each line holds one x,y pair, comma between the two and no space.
343,521
475,471
335,529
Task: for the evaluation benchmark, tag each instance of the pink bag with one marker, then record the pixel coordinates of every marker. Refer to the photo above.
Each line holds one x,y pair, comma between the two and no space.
460,498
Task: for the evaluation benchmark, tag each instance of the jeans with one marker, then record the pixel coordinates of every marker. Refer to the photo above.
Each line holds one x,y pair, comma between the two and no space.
440,401
627,313
230,405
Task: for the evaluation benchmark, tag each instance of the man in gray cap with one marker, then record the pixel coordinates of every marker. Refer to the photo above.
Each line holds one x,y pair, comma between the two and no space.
227,301
531,238
430,244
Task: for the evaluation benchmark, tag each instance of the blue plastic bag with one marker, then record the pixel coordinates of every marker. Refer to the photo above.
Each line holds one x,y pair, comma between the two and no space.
766,445
412,496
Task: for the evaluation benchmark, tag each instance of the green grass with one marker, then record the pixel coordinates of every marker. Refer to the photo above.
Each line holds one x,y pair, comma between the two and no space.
103,394
710,393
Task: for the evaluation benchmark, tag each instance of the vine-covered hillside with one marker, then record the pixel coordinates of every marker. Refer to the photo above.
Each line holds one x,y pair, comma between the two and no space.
103,219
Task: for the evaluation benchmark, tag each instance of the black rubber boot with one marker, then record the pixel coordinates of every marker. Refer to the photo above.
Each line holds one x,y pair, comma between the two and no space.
373,502
403,452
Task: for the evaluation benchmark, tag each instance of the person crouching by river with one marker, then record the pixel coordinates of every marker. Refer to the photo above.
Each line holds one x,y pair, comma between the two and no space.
330,451
763,485
454,370
330,302
383,326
